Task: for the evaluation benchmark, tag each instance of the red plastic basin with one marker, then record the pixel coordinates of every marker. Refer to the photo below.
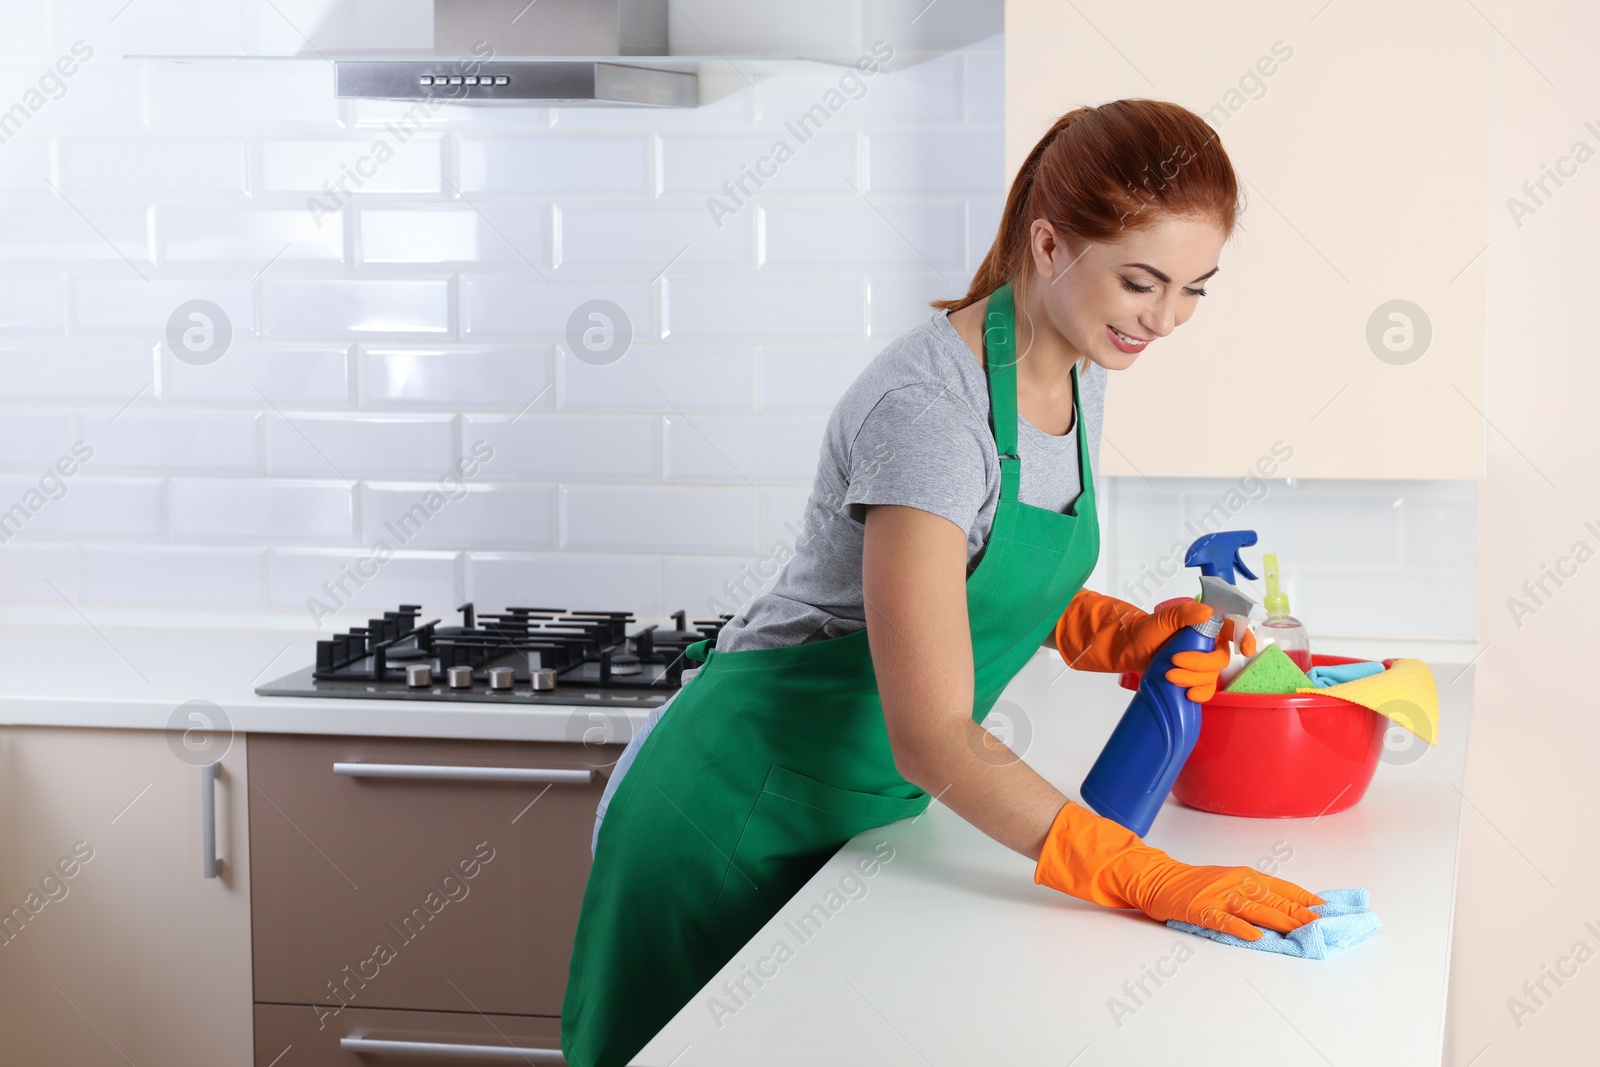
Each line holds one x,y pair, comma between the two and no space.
1280,757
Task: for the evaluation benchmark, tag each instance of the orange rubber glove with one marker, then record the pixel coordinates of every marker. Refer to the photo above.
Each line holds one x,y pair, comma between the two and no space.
1101,861
1102,633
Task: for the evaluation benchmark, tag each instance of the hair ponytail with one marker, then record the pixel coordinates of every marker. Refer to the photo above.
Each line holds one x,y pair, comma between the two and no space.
1103,172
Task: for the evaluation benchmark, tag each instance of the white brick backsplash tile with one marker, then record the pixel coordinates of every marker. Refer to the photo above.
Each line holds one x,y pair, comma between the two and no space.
572,580
317,308
33,304
174,442
149,164
56,233
927,93
823,27
28,30
698,164
580,164
468,376
176,575
268,512
589,448
884,233
1442,535
172,27
25,166
521,307
984,82
954,162
71,370
809,379
1391,604
813,307
663,379
125,303
435,115
34,437
347,585
650,237
317,165
742,451
490,233
254,237
359,446
708,586
492,515
783,511
1301,529
228,96
38,572
261,376
983,228
900,302
1143,525
105,94
81,507
604,518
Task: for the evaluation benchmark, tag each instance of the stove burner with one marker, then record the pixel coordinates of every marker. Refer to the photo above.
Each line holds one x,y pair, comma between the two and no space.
521,653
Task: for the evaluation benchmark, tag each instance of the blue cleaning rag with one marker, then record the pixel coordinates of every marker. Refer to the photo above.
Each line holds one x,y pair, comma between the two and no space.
1346,921
1339,673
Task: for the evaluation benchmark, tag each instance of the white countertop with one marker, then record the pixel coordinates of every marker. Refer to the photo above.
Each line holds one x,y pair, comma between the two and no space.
953,955
77,672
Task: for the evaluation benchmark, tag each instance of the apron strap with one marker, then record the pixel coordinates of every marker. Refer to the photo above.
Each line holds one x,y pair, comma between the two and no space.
697,651
1000,361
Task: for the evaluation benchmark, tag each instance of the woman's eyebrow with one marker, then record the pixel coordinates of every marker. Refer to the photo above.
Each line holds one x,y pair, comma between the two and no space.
1164,278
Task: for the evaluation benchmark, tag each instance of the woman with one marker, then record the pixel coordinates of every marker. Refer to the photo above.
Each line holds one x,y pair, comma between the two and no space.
948,536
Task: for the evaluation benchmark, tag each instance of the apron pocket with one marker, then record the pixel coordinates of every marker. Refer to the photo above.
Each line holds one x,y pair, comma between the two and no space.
796,825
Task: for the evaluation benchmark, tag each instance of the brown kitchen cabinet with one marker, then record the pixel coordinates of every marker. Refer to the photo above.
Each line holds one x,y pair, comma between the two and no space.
378,896
117,948
364,1037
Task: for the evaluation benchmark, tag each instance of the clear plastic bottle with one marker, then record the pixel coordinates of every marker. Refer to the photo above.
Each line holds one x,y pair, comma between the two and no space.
1281,628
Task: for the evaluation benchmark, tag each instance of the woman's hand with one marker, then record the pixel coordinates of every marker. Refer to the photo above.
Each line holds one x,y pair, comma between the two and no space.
1102,633
1101,861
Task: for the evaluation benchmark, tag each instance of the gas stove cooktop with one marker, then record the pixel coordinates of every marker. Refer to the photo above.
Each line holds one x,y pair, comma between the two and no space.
517,656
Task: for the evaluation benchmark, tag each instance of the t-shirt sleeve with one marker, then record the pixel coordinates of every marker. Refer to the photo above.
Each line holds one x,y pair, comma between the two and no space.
920,447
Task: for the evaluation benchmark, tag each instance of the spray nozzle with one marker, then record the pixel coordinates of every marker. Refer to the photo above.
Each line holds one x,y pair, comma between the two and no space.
1217,554
1276,601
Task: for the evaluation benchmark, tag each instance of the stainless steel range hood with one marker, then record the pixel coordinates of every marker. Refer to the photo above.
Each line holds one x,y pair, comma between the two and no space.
589,43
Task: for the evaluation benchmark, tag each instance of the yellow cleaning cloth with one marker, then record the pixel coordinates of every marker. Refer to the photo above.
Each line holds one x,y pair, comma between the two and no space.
1405,693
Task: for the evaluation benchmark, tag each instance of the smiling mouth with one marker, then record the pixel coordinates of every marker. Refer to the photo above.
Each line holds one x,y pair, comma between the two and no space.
1124,342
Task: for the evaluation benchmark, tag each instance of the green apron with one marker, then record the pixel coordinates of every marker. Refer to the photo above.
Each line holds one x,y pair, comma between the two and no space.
770,759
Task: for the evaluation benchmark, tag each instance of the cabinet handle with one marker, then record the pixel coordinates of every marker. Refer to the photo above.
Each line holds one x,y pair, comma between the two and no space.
466,774
475,1053
208,821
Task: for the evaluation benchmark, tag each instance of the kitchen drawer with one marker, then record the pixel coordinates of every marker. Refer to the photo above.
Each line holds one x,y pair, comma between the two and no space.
438,895
281,1028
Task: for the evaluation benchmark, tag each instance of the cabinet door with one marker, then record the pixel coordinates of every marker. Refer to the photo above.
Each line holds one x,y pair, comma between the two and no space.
1359,132
443,895
116,948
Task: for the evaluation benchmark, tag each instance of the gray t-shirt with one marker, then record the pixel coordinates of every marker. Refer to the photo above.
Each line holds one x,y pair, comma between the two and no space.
913,429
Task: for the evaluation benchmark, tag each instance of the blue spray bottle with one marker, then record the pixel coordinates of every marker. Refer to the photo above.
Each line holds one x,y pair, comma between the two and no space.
1152,740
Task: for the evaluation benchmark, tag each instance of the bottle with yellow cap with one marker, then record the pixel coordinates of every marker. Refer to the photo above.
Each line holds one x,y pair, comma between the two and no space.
1281,628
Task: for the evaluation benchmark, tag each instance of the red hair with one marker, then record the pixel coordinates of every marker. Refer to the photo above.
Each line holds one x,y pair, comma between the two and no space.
1100,173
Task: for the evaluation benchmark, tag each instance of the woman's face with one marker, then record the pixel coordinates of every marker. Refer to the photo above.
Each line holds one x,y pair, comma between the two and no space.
1142,286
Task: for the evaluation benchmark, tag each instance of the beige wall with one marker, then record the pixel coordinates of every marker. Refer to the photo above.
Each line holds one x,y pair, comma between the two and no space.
1529,865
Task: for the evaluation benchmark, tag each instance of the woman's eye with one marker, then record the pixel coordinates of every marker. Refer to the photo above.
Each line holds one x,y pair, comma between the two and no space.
1196,292
1126,284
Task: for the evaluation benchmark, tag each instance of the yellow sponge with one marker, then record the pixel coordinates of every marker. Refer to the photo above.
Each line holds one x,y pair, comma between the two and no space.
1271,671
